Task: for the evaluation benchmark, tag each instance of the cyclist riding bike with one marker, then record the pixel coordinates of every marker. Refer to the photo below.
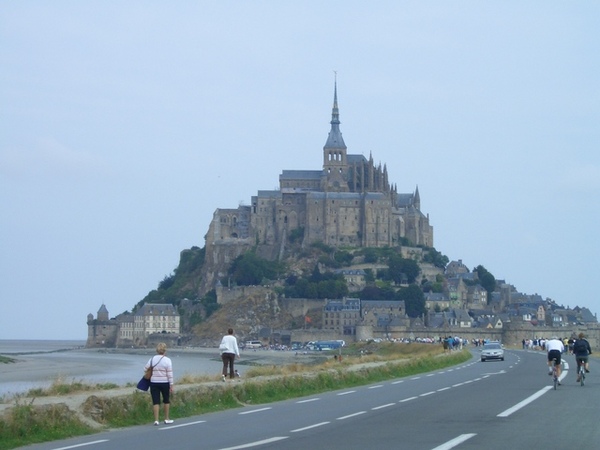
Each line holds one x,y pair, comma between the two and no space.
555,348
582,349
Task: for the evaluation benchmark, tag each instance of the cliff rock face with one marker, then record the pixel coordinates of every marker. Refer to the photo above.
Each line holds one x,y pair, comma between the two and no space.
247,315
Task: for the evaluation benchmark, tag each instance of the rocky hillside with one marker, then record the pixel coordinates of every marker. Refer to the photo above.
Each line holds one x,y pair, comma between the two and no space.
247,316
204,321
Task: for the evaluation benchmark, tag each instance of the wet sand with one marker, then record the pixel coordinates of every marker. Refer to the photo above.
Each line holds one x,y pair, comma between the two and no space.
124,366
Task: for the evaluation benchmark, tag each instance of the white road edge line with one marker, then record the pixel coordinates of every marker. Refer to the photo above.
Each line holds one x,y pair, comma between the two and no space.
382,406
297,430
255,411
309,400
82,445
346,393
351,415
179,425
525,402
454,442
257,443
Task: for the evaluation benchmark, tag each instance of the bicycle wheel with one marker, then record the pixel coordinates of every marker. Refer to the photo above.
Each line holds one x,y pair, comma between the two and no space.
555,378
582,375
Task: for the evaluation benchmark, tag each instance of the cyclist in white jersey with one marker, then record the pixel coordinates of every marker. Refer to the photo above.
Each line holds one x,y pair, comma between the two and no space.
555,348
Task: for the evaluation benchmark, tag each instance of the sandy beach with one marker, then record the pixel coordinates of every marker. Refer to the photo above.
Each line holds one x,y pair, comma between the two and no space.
123,366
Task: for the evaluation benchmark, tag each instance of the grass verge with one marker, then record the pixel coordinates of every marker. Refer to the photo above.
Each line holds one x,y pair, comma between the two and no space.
27,424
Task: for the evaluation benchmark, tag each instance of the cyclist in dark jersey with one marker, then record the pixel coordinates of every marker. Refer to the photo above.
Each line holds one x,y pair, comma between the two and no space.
581,350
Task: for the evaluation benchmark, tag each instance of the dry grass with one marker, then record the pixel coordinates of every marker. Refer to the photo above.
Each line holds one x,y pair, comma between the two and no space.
62,386
360,353
195,379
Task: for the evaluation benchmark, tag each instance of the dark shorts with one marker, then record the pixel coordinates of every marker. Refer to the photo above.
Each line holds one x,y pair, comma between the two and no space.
158,389
554,354
581,359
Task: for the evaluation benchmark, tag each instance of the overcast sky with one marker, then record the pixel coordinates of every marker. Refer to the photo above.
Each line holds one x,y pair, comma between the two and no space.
124,125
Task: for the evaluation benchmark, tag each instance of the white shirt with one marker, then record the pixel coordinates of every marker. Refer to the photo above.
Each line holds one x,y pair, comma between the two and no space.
555,344
229,345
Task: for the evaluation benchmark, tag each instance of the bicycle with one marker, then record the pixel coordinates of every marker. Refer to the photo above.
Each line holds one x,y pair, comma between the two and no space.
555,373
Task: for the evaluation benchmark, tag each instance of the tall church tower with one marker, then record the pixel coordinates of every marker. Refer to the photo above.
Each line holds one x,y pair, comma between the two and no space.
335,164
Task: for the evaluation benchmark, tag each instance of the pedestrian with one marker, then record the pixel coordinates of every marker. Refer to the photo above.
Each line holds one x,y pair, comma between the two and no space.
229,350
161,382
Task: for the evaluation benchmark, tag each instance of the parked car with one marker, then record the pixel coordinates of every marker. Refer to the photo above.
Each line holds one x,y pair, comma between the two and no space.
492,350
253,344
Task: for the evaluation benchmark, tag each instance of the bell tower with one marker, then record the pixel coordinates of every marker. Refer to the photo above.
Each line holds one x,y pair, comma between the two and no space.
335,165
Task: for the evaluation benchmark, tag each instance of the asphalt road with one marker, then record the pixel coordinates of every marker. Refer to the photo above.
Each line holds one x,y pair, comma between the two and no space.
492,405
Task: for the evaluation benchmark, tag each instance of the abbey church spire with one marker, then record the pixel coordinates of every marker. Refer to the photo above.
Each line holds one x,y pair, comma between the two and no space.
335,164
335,140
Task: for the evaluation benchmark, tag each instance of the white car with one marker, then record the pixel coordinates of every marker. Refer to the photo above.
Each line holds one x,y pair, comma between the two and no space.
253,344
492,350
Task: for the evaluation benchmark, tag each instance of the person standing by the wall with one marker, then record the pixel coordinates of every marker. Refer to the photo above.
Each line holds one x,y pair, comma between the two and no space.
161,382
229,350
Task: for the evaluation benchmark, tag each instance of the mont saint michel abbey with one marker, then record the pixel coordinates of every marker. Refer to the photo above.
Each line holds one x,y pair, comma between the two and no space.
349,202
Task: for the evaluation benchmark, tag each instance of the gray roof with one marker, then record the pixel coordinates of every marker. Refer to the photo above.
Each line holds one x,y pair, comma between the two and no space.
301,175
350,271
382,304
269,194
436,297
335,139
159,309
404,200
356,159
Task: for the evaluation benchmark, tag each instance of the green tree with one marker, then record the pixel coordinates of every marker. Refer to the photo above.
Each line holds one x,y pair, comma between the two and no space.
249,269
486,279
414,300
343,257
384,292
370,255
167,282
401,269
190,260
432,256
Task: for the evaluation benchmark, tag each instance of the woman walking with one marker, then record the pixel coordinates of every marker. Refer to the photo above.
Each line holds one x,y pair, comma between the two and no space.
161,382
229,350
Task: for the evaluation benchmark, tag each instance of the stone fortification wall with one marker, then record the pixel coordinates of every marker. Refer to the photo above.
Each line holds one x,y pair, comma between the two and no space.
366,332
102,333
514,333
300,307
227,295
510,334
317,335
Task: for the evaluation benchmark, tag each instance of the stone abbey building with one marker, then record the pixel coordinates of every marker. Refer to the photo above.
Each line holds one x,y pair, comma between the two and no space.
350,202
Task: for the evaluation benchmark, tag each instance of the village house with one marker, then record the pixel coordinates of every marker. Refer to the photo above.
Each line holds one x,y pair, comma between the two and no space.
135,329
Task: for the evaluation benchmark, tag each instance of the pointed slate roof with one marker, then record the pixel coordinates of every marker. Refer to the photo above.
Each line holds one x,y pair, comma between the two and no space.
335,140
